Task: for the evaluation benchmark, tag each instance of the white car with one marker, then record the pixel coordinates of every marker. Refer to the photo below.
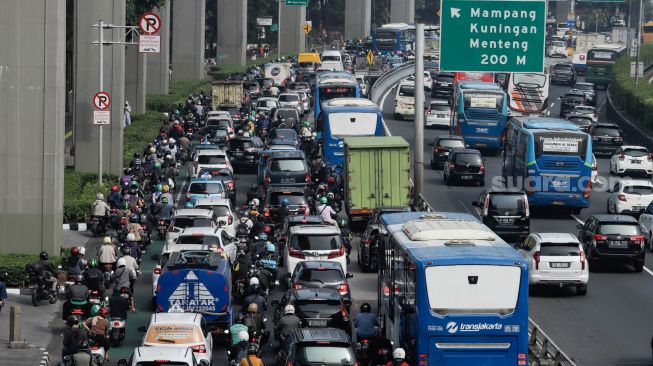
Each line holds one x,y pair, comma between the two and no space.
223,122
266,104
189,217
157,355
556,259
181,331
212,159
291,100
221,114
438,113
428,81
223,211
586,110
557,48
630,196
210,236
306,103
631,160
312,242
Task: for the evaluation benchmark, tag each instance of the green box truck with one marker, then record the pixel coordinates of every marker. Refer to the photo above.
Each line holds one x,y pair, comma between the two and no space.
377,174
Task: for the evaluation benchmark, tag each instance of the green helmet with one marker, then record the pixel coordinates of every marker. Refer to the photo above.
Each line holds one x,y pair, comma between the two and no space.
95,309
157,165
125,205
306,123
92,263
323,200
342,222
158,188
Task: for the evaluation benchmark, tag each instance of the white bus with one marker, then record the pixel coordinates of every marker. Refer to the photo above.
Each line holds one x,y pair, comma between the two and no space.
528,93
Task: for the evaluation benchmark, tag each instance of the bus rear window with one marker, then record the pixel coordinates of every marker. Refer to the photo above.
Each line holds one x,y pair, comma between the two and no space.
560,144
352,124
495,291
483,100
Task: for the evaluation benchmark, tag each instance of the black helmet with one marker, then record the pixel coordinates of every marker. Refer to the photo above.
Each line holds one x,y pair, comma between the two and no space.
366,308
44,255
125,250
240,319
3,276
134,219
83,345
253,188
252,349
72,320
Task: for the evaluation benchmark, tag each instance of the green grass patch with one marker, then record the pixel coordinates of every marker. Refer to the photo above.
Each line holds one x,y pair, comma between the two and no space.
635,100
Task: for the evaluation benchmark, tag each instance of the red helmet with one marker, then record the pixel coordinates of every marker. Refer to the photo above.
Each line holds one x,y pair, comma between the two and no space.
115,189
74,251
331,180
267,229
103,312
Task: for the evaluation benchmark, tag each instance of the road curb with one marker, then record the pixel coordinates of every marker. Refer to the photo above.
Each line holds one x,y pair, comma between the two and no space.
76,226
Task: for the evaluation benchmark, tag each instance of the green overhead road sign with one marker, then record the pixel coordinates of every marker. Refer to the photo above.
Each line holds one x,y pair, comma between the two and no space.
491,35
297,2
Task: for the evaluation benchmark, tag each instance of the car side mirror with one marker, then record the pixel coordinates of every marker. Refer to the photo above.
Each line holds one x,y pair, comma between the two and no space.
350,275
579,226
275,303
123,361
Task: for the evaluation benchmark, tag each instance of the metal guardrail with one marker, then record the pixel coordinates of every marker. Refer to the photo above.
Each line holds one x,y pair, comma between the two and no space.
388,80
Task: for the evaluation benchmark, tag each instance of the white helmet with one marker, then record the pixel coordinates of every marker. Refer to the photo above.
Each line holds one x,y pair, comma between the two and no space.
171,140
99,196
255,202
399,354
289,309
82,250
121,262
253,281
243,336
131,237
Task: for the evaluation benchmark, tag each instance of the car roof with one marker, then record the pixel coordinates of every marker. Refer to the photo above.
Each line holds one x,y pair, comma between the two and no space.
321,334
634,147
605,124
583,83
557,237
386,209
575,92
639,182
178,248
500,190
314,229
206,180
212,152
317,293
189,231
285,154
467,151
173,354
175,318
305,219
579,115
199,212
320,264
615,218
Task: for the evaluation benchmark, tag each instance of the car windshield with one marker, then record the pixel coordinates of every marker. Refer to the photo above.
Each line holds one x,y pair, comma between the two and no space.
287,165
619,229
562,68
444,78
283,134
507,204
218,122
184,222
217,131
240,144
452,143
529,80
294,199
171,334
636,153
581,121
641,190
314,309
322,354
558,44
211,159
289,98
606,131
287,113
406,91
466,158
584,109
321,275
559,249
315,242
205,188
330,58
198,239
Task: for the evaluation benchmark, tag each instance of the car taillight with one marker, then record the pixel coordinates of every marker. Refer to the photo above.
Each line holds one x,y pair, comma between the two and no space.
451,166
337,253
157,270
597,237
582,260
622,157
187,196
440,149
308,178
366,242
296,253
429,112
230,220
268,180
195,166
343,312
588,189
199,348
116,324
649,157
536,258
638,239
297,286
481,168
622,197
231,185
343,289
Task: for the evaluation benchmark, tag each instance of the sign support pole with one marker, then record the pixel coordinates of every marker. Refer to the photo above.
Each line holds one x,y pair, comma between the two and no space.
279,30
639,41
418,170
100,155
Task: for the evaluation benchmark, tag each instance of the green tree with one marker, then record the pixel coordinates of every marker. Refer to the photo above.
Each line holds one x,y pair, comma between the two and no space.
136,8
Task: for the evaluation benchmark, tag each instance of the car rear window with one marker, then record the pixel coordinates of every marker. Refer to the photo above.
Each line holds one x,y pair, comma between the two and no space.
581,121
218,122
640,190
619,229
173,334
444,78
211,159
440,107
452,143
287,165
240,144
289,98
559,249
219,210
205,188
285,114
562,68
589,87
636,153
321,275
406,91
315,242
283,134
468,158
317,308
324,354
184,222
574,98
231,110
606,131
293,198
198,239
507,204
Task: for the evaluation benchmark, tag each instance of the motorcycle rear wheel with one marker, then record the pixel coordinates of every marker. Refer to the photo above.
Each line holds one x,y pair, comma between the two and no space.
35,300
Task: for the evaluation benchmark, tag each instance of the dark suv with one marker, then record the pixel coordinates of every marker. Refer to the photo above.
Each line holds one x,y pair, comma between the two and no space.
316,308
583,121
369,244
274,196
606,138
506,212
563,74
322,274
441,148
244,151
287,169
570,100
612,238
326,346
464,165
442,85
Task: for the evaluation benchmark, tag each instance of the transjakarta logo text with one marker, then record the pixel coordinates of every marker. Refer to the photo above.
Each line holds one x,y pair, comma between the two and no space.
453,327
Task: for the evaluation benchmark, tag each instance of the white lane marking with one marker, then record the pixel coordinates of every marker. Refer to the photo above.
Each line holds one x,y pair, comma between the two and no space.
464,207
648,271
383,99
577,219
552,104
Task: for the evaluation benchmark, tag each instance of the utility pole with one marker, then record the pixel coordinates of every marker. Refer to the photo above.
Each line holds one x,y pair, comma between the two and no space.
279,30
418,168
639,40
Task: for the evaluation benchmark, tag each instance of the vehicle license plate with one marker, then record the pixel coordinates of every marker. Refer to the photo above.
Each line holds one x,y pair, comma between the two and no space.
559,264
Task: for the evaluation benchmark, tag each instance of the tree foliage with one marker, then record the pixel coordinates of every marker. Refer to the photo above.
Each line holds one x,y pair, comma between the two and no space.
136,8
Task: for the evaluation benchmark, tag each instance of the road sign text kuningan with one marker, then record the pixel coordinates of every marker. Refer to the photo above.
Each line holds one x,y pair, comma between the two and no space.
491,35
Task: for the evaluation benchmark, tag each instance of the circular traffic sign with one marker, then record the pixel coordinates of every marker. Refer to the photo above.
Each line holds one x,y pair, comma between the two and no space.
101,101
149,23
275,71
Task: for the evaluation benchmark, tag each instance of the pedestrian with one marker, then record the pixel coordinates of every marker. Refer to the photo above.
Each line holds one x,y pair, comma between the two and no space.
127,114
266,50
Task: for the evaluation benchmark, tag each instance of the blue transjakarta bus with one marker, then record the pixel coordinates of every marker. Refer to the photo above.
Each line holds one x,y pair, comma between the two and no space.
480,112
393,38
452,292
346,117
551,159
334,84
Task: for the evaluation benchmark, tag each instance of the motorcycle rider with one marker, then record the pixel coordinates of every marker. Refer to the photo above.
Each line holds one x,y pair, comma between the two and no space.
76,262
376,343
115,198
254,320
72,335
287,323
107,253
130,263
122,277
254,296
365,322
345,234
76,294
93,276
100,209
258,247
126,178
44,265
83,355
98,328
3,288
283,211
252,358
119,306
239,349
134,227
172,147
398,358
326,211
234,330
166,194
164,210
133,246
305,131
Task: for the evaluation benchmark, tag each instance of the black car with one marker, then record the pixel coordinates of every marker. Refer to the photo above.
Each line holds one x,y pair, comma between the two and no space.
325,346
287,169
589,89
296,197
506,212
612,238
228,180
570,100
583,121
369,244
322,274
244,151
464,165
563,74
442,85
316,308
441,148
606,138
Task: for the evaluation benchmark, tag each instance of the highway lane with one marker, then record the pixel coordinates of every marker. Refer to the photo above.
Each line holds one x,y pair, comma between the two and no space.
609,326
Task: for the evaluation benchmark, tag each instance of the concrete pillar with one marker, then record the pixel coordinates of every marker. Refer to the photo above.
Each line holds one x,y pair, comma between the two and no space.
560,9
87,83
232,31
158,65
135,78
188,39
293,38
358,18
402,11
32,109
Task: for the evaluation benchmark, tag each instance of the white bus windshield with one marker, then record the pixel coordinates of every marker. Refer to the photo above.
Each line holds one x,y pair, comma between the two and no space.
532,80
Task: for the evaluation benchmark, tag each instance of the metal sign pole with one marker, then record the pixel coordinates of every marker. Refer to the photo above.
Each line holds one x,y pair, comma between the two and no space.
419,112
101,47
639,41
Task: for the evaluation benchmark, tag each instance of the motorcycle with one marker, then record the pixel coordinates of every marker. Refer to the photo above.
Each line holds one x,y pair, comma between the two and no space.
162,227
123,229
146,237
41,290
76,308
117,334
95,297
97,352
98,228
